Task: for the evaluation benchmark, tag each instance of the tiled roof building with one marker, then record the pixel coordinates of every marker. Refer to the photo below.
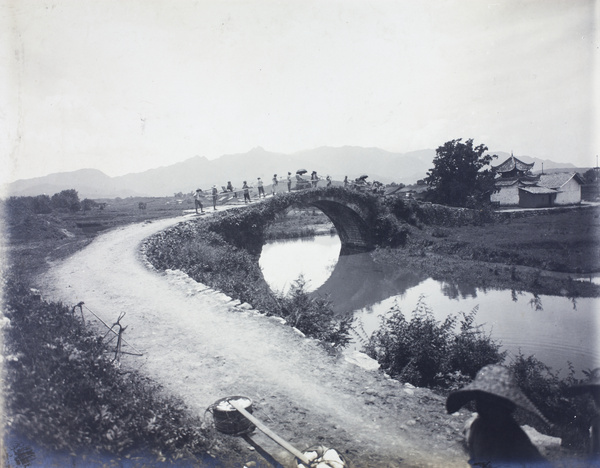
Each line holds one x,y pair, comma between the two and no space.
516,186
513,167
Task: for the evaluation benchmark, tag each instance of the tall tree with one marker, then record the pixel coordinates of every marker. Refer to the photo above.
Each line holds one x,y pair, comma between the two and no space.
67,199
462,175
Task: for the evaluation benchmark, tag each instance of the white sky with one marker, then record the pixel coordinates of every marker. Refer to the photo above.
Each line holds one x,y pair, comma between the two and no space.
128,85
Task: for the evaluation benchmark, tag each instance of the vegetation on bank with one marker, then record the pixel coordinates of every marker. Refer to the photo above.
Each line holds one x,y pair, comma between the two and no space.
61,389
433,354
207,258
65,392
427,353
420,350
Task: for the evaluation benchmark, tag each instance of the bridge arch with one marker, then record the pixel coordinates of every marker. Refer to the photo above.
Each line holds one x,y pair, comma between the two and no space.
351,214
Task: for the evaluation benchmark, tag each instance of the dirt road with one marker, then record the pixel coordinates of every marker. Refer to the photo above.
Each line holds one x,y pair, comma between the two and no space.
201,346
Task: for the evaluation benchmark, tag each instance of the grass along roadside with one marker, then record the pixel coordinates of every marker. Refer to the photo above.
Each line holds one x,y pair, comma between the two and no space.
64,397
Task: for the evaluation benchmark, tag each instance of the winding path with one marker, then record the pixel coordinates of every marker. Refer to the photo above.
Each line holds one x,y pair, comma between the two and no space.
201,346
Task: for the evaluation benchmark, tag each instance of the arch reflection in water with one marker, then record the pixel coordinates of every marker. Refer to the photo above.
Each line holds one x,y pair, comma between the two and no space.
283,261
548,327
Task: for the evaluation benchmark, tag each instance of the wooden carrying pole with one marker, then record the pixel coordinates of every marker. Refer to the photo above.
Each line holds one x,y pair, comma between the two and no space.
268,432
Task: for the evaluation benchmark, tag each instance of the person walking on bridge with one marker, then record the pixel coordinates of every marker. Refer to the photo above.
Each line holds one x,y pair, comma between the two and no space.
261,188
215,193
275,183
246,190
314,179
198,201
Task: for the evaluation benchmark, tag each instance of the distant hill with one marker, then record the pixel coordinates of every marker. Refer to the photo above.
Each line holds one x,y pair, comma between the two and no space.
198,171
90,183
546,164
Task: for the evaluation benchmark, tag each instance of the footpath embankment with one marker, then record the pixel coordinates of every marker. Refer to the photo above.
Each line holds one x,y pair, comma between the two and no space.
201,346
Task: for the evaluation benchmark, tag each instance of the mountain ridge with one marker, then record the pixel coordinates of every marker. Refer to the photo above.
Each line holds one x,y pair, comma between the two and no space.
198,171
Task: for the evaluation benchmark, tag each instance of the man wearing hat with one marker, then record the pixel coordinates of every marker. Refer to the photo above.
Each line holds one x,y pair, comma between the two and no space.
495,438
591,386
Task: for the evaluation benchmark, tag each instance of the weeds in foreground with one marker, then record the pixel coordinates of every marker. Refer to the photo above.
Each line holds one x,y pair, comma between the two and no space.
63,391
546,389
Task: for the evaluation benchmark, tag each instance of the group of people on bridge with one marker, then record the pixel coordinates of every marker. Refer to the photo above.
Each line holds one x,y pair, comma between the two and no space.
298,182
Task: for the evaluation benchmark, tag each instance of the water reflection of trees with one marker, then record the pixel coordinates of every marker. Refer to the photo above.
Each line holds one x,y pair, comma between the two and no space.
458,290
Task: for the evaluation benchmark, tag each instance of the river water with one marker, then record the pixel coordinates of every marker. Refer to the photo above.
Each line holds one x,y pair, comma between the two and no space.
555,329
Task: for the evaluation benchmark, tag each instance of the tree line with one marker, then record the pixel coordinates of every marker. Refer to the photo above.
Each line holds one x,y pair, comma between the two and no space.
66,200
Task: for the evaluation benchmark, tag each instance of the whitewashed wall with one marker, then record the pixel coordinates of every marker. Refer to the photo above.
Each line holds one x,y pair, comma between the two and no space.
569,194
506,196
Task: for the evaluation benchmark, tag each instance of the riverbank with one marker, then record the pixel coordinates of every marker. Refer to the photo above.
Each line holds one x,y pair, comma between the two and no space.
541,254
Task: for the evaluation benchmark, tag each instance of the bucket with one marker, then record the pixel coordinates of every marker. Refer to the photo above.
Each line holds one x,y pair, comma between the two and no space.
230,421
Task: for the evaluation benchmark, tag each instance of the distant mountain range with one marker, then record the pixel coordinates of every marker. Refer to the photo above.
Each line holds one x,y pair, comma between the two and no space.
198,171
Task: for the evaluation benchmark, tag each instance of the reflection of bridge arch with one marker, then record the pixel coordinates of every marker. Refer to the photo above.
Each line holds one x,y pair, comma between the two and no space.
357,282
351,217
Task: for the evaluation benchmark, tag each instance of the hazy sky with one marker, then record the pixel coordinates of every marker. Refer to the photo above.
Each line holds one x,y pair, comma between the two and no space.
128,85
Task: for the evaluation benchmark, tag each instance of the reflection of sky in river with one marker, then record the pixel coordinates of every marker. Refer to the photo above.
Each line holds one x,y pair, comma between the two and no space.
555,333
283,261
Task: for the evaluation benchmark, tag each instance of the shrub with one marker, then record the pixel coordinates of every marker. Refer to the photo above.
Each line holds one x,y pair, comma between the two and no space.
87,204
428,353
314,316
66,199
64,393
546,389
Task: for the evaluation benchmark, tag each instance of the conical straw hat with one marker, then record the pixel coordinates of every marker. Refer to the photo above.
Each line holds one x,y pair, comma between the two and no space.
494,380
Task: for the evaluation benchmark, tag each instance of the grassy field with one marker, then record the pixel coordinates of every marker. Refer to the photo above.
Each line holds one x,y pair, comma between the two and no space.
33,240
542,254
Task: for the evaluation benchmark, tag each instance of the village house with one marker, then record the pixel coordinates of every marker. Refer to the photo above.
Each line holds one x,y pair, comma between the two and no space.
517,186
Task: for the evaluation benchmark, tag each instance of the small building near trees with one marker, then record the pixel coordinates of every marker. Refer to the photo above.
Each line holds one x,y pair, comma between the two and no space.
515,185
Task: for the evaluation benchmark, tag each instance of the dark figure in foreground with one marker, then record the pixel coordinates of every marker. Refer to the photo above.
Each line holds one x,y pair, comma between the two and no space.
591,386
495,439
246,190
197,201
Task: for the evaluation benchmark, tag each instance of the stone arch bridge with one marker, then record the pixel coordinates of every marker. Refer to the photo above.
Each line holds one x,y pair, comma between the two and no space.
352,213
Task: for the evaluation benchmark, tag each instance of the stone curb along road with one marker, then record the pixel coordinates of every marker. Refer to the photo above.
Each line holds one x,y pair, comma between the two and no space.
202,346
